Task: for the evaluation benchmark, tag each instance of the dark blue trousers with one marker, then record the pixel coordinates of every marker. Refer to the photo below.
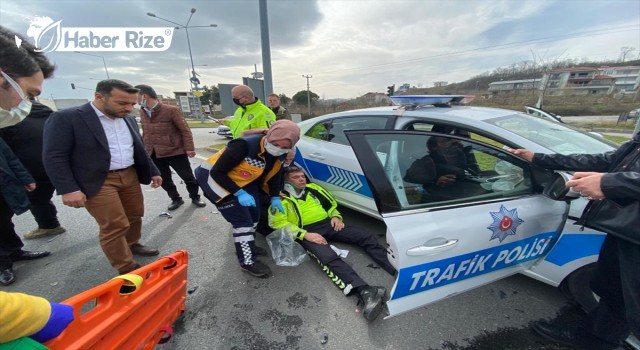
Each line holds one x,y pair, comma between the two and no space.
244,221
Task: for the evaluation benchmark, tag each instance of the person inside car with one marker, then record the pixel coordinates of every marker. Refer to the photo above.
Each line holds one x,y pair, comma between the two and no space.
441,172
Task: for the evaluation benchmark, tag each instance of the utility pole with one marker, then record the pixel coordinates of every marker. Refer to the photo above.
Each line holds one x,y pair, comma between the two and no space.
266,48
308,94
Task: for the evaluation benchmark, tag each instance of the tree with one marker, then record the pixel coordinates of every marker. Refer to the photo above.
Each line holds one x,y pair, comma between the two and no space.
300,97
624,52
284,100
210,95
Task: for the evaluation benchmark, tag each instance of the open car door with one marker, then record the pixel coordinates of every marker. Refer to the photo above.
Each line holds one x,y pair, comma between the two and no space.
446,237
541,113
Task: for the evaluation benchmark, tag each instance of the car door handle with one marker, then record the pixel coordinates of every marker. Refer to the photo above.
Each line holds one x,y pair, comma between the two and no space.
424,250
316,156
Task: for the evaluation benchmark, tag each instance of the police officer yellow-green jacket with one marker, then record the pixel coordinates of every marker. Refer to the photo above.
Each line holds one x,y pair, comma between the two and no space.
315,204
252,116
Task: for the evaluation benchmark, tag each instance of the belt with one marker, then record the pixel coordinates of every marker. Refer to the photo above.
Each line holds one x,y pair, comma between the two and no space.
119,170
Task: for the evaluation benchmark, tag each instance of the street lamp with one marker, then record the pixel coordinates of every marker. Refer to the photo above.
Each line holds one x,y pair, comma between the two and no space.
193,79
74,86
193,72
103,61
194,95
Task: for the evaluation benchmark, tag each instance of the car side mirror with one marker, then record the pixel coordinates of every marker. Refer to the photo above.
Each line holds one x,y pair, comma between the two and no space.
557,189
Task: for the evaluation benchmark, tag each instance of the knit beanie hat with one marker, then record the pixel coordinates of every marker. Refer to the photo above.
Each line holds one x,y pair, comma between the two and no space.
284,130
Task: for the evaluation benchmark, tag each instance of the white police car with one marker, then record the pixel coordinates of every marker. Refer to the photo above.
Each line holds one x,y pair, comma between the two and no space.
490,221
224,130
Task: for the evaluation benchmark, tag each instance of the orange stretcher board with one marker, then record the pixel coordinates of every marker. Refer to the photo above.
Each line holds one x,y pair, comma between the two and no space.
133,311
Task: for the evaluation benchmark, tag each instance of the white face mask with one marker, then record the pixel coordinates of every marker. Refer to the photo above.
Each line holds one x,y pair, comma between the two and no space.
273,150
293,190
16,114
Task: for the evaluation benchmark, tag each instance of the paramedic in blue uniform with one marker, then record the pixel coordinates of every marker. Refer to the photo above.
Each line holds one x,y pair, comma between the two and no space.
235,177
611,181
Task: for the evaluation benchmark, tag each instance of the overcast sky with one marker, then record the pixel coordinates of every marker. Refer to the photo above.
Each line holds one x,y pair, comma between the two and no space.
350,47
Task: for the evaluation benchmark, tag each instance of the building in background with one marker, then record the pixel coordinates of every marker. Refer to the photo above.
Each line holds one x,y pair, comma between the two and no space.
374,98
403,88
627,78
168,100
187,102
577,81
440,83
508,86
592,81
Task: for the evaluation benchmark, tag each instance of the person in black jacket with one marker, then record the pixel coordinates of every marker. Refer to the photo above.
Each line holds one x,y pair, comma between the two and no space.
25,140
611,181
15,181
22,71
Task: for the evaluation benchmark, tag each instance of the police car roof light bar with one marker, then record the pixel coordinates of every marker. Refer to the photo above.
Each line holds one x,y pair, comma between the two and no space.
430,100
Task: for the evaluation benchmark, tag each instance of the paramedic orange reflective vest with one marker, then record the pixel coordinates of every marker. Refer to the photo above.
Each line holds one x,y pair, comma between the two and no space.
246,172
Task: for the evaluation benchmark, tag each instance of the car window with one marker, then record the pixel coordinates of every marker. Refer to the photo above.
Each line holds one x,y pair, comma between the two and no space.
319,131
435,170
339,125
441,128
556,137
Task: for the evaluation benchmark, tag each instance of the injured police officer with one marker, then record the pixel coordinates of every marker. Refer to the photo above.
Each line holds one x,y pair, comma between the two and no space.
310,212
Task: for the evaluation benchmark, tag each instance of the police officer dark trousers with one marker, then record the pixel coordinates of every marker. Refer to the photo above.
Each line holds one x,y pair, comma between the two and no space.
342,275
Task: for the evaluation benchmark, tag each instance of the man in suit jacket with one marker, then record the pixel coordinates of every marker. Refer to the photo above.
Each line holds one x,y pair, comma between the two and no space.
95,158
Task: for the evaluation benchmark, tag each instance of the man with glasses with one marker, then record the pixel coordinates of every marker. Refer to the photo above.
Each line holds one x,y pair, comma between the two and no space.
311,213
22,71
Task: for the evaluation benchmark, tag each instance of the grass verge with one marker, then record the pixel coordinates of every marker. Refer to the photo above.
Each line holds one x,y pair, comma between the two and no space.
617,139
198,124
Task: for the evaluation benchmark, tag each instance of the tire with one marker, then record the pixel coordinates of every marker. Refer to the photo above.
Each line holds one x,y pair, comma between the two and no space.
576,287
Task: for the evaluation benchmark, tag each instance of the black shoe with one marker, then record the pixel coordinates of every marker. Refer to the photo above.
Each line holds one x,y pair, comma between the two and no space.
198,202
257,269
259,251
7,277
175,204
27,255
571,337
371,298
139,249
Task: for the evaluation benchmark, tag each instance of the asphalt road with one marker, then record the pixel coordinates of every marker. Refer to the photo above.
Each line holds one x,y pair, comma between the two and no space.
296,308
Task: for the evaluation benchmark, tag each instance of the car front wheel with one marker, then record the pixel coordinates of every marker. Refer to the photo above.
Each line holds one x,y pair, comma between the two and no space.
577,288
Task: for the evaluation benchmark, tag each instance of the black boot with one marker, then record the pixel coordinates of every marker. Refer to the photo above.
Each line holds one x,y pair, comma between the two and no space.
573,337
371,298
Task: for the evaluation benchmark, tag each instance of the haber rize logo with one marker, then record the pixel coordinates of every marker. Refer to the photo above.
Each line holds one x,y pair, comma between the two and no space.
49,35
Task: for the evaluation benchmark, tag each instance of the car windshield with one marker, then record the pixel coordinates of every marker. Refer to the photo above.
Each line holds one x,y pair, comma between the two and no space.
556,137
